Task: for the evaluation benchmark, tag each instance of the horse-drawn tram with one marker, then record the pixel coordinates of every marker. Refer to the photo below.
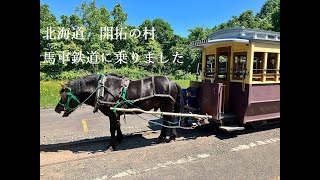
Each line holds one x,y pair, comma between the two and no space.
240,77
240,85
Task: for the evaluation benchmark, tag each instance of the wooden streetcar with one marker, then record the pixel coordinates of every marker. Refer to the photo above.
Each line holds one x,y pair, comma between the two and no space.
240,85
240,79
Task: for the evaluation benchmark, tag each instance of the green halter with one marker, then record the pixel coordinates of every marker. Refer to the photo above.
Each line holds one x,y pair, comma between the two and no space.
70,96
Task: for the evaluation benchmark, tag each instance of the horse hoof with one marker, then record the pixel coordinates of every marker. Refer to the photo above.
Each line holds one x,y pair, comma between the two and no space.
161,139
172,139
109,149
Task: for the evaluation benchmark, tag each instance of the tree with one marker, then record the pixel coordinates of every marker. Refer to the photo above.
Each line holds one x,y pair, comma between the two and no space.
268,9
119,17
164,32
46,17
198,33
47,20
276,21
248,20
269,15
93,18
145,24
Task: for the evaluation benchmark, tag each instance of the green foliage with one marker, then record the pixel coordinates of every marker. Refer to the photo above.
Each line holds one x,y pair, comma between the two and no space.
67,75
270,15
268,9
181,75
183,83
132,73
91,18
49,93
164,32
64,75
276,21
119,16
198,33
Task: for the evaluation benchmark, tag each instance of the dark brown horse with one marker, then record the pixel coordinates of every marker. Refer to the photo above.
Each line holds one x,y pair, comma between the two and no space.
157,92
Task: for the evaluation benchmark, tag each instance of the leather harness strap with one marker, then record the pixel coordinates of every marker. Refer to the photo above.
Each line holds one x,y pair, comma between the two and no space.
169,90
141,95
125,84
99,93
153,85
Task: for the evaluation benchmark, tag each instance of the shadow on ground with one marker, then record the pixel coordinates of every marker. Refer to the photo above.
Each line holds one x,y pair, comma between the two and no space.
143,139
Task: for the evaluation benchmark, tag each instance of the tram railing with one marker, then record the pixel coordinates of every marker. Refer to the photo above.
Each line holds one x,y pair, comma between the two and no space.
264,75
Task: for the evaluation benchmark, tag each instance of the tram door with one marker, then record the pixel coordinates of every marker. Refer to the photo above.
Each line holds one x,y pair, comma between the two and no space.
223,56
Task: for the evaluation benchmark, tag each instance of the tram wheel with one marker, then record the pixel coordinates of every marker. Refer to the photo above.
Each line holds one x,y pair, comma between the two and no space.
257,124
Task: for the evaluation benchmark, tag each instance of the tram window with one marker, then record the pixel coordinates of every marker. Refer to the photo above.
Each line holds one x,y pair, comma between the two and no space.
239,65
222,67
279,72
210,65
257,66
271,67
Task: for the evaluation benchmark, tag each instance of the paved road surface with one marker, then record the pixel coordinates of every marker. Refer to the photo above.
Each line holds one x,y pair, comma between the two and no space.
197,154
84,124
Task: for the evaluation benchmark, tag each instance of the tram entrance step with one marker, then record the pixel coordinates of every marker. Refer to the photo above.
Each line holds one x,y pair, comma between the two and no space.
231,128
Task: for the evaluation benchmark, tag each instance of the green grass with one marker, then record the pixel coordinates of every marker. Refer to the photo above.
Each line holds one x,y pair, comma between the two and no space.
183,83
49,92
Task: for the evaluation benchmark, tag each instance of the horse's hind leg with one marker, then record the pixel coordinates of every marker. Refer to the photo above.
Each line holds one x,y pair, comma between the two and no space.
173,131
163,130
119,133
169,121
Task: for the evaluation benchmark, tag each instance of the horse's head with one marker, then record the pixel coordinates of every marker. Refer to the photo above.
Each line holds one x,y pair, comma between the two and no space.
68,101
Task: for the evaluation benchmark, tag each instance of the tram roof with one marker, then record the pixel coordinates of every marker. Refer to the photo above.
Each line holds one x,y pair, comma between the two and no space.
238,34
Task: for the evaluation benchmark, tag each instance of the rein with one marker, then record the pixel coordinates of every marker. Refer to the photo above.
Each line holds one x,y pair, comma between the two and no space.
72,96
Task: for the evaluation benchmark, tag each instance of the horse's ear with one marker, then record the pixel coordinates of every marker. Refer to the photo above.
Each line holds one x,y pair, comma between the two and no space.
67,89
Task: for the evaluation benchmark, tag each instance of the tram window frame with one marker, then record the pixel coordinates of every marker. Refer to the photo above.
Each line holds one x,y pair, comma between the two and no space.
271,72
210,74
235,66
257,72
222,73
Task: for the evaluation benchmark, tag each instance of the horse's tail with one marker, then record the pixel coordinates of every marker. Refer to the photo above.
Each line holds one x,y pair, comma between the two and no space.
178,106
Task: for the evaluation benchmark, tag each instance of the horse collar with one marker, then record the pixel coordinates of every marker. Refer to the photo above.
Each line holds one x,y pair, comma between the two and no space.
125,83
100,91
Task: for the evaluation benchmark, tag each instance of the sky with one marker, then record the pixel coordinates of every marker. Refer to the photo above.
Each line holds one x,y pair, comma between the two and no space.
180,14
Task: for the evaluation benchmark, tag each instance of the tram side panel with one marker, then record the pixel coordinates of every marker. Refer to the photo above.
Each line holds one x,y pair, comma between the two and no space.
239,100
264,102
209,98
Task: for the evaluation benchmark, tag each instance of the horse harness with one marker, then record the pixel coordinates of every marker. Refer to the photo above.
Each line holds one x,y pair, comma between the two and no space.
125,82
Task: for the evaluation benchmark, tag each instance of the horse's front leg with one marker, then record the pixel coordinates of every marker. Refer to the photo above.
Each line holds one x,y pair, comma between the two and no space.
119,133
113,128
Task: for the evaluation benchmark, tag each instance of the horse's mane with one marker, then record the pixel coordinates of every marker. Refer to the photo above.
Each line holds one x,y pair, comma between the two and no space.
116,75
78,84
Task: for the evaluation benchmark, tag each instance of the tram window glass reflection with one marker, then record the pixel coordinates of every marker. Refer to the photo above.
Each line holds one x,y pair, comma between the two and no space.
257,66
222,67
210,65
271,67
279,72
239,65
